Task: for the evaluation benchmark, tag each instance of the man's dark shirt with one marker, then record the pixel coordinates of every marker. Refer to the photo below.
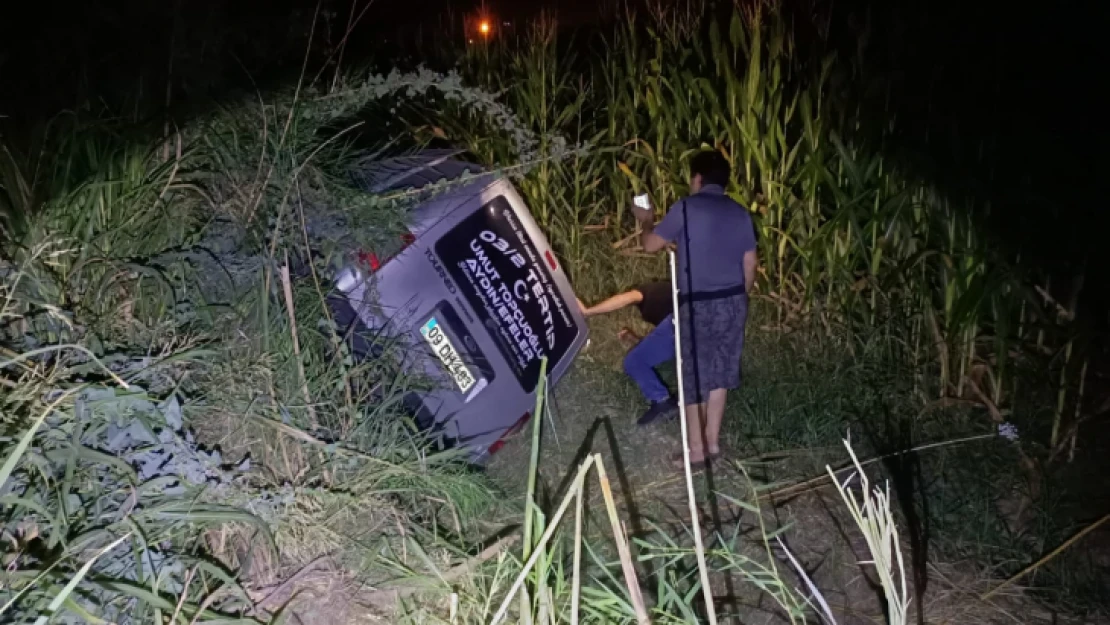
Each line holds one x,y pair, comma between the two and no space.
657,302
713,233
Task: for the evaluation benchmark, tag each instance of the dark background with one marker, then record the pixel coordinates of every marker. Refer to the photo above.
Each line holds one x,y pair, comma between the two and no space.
1010,95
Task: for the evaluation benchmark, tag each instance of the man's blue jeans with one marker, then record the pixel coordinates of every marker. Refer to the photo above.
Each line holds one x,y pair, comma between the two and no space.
655,349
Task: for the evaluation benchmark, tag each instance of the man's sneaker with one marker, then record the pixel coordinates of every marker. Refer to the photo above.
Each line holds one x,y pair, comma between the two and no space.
659,411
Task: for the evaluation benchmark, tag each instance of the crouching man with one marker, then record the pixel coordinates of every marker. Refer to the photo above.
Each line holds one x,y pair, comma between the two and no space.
654,303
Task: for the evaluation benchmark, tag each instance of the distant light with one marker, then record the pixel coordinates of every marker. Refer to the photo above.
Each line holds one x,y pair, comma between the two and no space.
484,27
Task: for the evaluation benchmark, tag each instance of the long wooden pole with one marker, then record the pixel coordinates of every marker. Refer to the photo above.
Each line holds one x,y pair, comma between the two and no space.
706,590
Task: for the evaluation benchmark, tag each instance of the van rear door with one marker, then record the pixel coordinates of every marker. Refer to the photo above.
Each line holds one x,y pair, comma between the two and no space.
502,274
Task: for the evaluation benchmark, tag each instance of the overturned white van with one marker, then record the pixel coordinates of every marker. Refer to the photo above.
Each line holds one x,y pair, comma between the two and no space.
476,296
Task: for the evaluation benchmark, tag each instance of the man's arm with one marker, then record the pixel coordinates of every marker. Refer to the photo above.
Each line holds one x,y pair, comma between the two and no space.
649,240
751,261
628,298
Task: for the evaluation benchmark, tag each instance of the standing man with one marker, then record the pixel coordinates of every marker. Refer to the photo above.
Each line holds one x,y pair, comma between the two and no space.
655,305
717,259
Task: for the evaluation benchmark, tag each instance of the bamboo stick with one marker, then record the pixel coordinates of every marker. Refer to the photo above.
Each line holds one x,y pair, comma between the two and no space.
707,591
576,575
629,570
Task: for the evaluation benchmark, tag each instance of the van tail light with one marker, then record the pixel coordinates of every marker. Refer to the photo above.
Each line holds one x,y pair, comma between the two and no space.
371,260
516,427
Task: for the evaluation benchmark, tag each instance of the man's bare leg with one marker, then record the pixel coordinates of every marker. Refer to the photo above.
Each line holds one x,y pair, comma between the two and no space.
715,414
695,423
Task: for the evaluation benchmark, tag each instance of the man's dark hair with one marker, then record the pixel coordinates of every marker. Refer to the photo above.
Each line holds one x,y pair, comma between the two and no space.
712,166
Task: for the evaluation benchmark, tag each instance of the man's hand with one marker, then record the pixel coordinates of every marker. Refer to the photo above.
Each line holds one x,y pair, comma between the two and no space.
582,307
650,241
751,261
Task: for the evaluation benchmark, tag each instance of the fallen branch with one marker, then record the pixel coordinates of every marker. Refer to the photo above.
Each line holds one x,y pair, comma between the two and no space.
1050,555
816,482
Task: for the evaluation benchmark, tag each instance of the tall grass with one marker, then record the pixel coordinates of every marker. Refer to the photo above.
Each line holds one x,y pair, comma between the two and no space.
316,460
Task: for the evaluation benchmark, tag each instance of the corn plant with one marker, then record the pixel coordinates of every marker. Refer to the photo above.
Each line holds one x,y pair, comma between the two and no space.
850,236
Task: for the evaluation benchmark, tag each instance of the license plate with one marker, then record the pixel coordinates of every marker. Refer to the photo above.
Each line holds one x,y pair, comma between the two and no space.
448,355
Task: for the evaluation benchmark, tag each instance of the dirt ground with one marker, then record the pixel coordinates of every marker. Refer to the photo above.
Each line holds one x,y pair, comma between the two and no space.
594,410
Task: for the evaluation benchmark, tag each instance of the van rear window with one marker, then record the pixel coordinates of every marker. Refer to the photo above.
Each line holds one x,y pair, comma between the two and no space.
503,277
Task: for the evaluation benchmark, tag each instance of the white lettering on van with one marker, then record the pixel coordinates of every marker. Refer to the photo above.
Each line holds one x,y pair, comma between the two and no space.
520,290
440,271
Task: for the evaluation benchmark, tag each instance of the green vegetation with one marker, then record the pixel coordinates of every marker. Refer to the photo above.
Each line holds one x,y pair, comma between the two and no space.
187,438
176,447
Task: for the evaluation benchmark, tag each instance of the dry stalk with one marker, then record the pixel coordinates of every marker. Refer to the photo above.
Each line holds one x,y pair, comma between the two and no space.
576,575
453,574
553,525
1050,555
876,522
287,288
622,546
276,592
184,593
575,492
205,604
1078,410
336,340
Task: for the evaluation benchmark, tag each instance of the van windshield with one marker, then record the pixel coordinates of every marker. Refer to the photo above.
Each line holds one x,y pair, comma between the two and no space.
502,275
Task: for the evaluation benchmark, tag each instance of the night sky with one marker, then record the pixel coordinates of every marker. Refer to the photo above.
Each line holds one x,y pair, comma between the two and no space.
1026,80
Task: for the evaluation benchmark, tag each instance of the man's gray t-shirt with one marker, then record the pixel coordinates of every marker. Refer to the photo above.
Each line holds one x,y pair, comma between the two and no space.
712,238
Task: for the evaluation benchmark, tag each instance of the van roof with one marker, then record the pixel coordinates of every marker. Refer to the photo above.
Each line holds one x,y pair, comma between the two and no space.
410,171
